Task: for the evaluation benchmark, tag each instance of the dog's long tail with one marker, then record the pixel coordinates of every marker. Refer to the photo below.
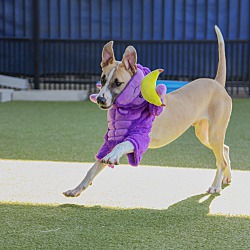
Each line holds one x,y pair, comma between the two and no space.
221,71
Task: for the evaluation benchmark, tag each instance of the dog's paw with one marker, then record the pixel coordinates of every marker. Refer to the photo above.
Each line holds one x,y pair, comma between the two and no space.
111,159
227,178
214,190
73,193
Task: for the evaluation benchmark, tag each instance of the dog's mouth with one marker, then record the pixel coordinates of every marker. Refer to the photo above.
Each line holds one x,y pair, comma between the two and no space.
105,107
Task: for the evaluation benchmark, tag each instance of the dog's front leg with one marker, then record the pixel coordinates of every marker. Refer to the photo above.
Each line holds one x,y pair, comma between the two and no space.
118,151
92,173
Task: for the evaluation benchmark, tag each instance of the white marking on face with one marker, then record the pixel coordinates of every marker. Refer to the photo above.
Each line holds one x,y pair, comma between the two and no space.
110,75
105,92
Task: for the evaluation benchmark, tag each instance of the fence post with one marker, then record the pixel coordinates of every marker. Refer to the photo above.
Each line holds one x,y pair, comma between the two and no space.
36,43
249,78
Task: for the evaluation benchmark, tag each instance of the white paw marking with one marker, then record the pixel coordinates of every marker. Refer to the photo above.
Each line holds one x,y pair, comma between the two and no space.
112,158
73,193
214,190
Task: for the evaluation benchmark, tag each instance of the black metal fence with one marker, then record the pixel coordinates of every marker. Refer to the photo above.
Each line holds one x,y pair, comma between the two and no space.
73,61
70,64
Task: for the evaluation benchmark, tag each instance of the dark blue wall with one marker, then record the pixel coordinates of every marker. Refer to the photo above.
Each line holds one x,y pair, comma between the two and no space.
75,23
127,19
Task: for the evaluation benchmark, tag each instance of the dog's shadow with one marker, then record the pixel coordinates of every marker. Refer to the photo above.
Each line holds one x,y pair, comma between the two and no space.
198,205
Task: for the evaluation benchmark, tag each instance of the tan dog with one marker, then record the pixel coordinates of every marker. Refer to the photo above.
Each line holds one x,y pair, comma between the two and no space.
203,103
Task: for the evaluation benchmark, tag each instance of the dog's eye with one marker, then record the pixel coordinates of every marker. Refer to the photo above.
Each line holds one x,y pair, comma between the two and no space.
103,81
117,83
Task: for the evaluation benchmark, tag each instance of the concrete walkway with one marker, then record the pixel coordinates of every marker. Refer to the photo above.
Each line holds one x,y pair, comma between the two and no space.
122,187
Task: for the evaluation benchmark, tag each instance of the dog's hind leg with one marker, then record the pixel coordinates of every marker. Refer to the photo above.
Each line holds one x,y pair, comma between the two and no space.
227,173
216,141
201,132
92,173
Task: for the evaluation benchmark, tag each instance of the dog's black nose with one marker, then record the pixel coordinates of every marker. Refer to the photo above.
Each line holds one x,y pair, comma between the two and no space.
101,100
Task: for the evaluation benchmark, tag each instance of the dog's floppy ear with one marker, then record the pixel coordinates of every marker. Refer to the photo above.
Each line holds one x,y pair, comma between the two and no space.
129,59
108,56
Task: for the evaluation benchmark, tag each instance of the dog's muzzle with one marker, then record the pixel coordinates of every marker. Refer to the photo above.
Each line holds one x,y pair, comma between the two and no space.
101,100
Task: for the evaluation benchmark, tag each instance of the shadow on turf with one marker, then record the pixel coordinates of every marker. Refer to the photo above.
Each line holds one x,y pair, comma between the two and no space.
197,205
193,205
183,225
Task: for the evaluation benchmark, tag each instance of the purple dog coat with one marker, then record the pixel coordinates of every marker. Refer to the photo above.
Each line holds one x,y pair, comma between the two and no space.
130,119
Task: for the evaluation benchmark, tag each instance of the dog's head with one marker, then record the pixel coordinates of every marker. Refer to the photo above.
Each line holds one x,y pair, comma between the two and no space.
115,74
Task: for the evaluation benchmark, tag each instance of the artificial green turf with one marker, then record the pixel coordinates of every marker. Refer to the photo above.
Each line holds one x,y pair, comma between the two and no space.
73,131
185,225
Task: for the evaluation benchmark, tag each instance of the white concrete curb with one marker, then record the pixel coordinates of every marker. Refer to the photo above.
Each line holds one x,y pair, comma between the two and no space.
122,187
50,95
6,95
